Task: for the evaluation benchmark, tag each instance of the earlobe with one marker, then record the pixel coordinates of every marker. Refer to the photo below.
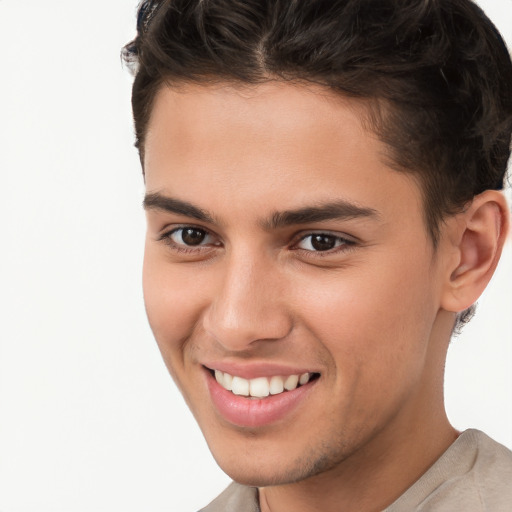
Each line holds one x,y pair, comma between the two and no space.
482,230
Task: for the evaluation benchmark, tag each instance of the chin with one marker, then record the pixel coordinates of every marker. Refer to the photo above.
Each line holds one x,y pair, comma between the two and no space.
267,470
260,477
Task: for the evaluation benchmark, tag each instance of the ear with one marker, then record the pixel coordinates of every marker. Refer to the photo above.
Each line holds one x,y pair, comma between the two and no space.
478,236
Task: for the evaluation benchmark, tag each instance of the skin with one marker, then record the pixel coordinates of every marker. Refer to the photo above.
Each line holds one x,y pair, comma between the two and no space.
373,316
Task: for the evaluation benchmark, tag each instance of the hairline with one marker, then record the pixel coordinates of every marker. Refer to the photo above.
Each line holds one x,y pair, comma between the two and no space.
372,112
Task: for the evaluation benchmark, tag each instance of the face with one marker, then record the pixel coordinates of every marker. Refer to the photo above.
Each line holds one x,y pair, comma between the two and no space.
288,277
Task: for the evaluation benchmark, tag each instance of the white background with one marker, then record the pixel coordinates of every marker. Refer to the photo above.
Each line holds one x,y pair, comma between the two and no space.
89,419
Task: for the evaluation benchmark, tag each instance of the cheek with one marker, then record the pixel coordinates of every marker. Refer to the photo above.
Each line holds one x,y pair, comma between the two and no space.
373,323
173,299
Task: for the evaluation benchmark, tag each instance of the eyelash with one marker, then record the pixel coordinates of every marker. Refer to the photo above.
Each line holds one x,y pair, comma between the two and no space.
183,248
343,243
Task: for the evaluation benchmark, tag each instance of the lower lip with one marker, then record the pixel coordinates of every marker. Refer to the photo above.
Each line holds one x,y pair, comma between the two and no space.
249,412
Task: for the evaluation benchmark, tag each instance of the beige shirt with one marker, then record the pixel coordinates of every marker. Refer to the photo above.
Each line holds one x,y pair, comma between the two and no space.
473,475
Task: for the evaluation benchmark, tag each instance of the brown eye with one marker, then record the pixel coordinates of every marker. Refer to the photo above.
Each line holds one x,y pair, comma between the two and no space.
192,236
323,242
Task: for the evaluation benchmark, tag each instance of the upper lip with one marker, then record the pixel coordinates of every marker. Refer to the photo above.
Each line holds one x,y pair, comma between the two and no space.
253,370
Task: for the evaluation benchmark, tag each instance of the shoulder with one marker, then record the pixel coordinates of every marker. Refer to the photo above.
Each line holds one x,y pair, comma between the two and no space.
474,475
236,498
492,472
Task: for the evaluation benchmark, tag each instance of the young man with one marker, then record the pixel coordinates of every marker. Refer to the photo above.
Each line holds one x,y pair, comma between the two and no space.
323,202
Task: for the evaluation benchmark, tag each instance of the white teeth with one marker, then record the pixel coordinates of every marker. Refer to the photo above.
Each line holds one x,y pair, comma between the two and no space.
276,385
304,378
291,382
260,387
228,381
240,386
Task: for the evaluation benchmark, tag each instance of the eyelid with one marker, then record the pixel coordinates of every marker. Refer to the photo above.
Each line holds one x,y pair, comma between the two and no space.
335,234
347,242
172,228
166,237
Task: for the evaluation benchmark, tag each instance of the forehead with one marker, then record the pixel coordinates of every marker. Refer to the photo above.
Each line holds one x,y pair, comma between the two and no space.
270,145
273,114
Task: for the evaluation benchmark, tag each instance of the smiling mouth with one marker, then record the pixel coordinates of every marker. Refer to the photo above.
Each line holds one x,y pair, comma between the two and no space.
262,387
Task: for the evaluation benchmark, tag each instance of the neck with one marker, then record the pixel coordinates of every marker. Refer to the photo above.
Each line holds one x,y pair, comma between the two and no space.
368,481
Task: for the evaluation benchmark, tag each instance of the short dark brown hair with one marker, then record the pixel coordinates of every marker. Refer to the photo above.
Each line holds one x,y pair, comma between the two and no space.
438,71
440,66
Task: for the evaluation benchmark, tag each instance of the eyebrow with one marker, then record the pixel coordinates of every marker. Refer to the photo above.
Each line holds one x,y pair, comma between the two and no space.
157,201
337,210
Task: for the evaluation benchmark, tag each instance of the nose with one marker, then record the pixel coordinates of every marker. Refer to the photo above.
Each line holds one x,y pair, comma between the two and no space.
248,304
